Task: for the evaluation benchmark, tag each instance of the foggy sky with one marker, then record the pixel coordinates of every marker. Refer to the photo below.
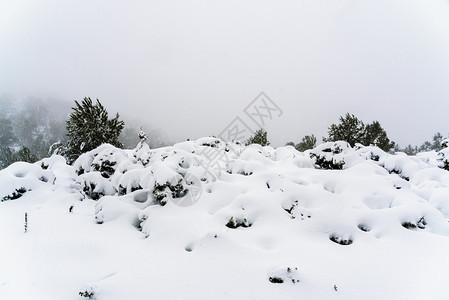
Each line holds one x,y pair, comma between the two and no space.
191,67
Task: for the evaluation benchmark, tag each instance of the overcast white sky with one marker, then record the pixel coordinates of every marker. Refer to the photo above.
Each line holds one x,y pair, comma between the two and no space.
191,67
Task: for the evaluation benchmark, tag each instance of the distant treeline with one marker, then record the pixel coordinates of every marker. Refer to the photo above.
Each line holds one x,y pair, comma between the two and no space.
35,128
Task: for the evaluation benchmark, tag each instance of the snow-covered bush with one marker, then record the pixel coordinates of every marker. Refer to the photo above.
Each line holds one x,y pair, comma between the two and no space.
142,151
168,184
16,194
443,155
238,222
331,155
95,185
132,180
341,239
110,208
21,177
284,275
104,159
87,293
209,142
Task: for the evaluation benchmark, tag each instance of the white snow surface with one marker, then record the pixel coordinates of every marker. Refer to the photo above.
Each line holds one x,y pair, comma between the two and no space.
208,219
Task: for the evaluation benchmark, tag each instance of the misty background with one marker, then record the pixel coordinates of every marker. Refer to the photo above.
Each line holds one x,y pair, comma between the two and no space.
186,69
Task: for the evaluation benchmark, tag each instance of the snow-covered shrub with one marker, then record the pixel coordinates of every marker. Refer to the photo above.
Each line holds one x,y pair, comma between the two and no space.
445,143
132,180
95,185
16,194
104,159
421,224
443,155
364,227
209,142
167,184
287,275
142,151
110,208
289,208
87,293
341,239
162,191
371,153
403,165
331,155
238,222
21,177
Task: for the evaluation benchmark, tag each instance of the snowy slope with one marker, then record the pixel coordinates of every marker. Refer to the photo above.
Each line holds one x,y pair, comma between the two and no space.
210,220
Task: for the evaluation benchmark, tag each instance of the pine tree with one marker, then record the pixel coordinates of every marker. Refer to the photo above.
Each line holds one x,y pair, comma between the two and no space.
308,142
375,135
353,130
410,150
426,146
88,127
260,137
350,130
436,141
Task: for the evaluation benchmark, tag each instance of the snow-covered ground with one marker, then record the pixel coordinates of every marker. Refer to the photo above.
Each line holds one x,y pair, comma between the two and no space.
209,220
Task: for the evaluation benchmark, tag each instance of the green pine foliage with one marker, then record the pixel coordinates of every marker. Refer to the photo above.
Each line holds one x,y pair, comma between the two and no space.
350,129
375,135
307,142
259,137
353,130
88,127
436,142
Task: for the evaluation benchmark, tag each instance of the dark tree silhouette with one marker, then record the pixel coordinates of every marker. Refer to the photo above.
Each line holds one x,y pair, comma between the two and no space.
88,127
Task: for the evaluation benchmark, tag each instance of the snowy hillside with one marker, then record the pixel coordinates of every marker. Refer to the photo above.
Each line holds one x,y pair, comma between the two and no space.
210,220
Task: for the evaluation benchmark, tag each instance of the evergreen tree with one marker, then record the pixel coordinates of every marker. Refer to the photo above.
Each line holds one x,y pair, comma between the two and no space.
260,137
426,146
308,142
88,127
410,150
435,145
375,135
436,141
350,130
353,130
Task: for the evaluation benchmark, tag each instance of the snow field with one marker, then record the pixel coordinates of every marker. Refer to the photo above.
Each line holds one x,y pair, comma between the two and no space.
334,222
